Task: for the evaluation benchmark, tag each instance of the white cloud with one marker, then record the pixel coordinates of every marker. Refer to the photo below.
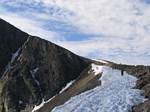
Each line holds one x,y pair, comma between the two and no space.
119,51
123,27
111,18
30,26
123,24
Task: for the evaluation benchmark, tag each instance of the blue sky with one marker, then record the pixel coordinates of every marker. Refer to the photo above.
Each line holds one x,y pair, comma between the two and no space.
101,29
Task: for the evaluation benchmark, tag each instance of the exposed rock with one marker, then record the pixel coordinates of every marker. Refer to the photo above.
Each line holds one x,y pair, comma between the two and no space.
11,39
143,81
38,71
143,107
146,89
144,84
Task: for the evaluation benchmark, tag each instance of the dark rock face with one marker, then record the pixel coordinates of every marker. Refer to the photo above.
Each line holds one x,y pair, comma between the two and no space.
10,40
39,70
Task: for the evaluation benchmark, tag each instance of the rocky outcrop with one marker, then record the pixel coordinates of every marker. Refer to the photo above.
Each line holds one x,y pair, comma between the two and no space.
11,39
38,70
143,107
144,84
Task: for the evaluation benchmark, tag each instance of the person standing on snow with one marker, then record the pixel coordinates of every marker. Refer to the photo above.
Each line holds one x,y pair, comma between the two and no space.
122,72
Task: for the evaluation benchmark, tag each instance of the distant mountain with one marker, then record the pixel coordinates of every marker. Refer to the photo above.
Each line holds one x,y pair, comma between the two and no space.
34,71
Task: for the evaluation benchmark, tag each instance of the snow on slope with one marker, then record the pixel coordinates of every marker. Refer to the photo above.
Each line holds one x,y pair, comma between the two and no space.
97,69
37,107
114,95
100,60
67,86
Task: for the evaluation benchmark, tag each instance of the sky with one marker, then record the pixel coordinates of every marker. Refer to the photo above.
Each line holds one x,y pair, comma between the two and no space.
115,30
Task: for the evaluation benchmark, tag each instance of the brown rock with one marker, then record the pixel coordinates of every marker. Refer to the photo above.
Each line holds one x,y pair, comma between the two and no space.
146,89
143,107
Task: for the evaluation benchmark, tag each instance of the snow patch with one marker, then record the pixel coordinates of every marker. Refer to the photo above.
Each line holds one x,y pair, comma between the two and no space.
67,86
97,69
44,102
39,106
20,102
33,72
14,56
102,61
33,75
116,94
9,66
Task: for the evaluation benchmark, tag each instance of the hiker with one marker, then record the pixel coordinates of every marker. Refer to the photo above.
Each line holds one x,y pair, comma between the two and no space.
122,72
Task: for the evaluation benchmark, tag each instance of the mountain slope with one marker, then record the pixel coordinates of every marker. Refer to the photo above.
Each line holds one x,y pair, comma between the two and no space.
38,70
116,94
87,80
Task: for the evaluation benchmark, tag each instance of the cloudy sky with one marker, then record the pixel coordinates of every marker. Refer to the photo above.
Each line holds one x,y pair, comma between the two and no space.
117,30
